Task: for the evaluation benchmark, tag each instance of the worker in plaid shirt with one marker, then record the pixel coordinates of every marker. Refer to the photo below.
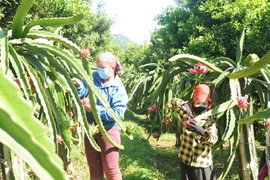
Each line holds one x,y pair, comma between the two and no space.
197,139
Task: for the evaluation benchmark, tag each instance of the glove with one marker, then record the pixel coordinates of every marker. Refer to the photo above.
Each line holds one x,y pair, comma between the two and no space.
191,125
76,82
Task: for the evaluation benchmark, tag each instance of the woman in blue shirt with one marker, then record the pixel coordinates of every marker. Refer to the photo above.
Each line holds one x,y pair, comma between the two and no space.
111,87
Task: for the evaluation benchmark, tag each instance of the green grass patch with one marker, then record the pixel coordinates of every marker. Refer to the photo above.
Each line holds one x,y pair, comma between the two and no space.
80,170
148,159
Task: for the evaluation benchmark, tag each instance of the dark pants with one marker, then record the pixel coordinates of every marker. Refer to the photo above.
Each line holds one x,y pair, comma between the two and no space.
194,173
107,159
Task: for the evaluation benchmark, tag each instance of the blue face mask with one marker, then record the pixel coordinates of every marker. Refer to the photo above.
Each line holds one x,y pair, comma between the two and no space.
103,74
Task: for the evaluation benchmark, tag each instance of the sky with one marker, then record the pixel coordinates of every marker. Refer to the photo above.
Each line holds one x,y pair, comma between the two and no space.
134,18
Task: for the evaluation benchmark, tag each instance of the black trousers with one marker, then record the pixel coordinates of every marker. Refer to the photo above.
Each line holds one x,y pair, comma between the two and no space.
194,173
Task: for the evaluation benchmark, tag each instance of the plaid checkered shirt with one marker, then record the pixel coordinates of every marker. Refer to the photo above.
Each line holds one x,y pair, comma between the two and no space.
195,152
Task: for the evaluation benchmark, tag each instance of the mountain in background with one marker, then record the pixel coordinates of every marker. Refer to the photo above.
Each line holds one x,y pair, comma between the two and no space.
122,41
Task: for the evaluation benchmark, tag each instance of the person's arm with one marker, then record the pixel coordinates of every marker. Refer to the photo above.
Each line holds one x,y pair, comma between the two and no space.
118,104
82,90
81,87
211,135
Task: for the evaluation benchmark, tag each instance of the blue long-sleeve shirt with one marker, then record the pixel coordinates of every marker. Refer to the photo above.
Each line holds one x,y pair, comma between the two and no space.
115,94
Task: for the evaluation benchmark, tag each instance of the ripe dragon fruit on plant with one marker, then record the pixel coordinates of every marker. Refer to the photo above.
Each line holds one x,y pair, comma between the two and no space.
242,102
267,122
152,108
84,52
59,139
198,69
193,71
167,120
201,68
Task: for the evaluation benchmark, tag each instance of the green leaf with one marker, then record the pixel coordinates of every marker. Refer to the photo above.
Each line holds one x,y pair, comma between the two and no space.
223,60
18,19
234,87
260,93
3,33
135,88
221,108
266,74
43,94
254,68
256,117
230,125
25,135
64,122
250,59
4,50
234,141
16,62
34,34
195,58
240,47
53,22
220,78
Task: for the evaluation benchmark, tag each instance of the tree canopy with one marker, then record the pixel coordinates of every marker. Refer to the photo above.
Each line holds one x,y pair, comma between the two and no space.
210,28
93,32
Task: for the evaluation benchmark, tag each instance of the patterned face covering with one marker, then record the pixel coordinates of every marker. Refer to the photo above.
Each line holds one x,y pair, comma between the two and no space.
103,73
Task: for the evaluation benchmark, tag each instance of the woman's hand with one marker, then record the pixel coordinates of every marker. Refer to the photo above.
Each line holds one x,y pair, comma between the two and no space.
76,82
194,127
88,109
86,104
